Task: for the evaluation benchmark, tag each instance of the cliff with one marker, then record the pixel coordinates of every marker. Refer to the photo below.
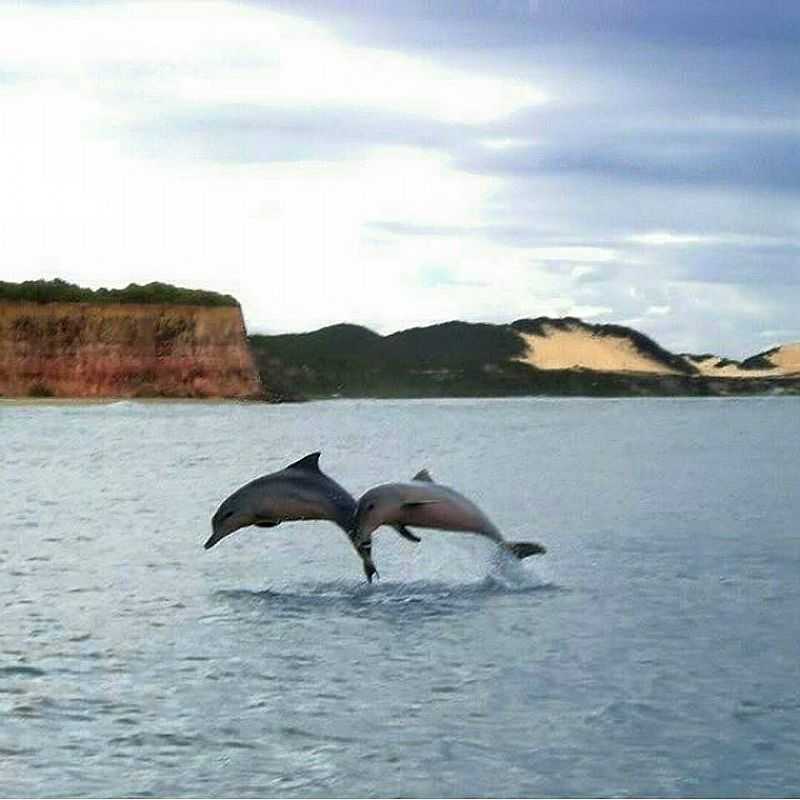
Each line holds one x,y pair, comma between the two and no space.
116,349
542,356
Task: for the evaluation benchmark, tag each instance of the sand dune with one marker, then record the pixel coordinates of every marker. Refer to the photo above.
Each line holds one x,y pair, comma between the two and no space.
779,362
572,344
576,346
786,358
718,367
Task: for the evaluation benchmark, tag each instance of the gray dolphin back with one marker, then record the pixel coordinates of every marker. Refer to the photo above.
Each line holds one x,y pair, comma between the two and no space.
318,486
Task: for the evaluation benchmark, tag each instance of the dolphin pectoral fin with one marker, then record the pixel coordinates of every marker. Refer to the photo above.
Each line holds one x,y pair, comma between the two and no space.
406,533
525,549
267,523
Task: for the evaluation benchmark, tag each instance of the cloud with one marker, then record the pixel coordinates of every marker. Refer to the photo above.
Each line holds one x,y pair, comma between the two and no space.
572,254
399,163
252,134
433,276
219,52
763,160
705,22
674,239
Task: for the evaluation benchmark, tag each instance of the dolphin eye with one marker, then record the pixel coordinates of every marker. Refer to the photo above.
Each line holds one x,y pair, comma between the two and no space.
227,514
370,506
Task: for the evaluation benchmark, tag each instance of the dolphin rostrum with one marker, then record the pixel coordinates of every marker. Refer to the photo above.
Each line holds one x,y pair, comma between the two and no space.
300,491
425,504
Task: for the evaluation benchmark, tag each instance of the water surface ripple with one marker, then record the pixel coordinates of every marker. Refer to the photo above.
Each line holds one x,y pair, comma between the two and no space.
653,652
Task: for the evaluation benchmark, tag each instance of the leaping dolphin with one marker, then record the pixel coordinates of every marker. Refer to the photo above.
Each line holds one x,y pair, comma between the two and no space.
300,491
425,504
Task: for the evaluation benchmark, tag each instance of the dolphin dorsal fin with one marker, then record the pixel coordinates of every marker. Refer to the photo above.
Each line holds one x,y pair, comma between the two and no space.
423,475
309,462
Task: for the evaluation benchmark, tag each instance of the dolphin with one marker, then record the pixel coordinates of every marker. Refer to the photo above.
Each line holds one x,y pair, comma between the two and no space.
422,503
300,491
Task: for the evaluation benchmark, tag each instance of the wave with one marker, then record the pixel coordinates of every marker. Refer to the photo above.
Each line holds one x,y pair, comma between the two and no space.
452,580
396,600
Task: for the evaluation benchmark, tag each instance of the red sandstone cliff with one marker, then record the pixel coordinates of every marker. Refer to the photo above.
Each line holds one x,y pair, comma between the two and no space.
124,350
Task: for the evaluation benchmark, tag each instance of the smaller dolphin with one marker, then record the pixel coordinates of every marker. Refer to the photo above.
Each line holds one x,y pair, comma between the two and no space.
425,504
300,491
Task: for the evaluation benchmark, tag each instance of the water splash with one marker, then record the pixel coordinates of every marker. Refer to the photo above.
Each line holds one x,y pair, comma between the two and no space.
496,573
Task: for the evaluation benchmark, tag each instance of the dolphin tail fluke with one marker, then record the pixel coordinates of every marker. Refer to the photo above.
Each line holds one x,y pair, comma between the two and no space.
525,549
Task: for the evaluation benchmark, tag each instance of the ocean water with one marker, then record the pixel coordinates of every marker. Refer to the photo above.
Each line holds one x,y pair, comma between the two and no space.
654,651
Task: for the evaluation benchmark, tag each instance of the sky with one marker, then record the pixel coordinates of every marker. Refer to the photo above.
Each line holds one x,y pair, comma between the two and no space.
395,164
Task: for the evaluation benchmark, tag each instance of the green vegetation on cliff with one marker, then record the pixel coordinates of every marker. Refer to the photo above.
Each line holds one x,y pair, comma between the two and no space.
60,291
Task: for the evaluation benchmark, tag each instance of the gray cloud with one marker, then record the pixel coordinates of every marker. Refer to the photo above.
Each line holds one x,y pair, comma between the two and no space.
265,134
750,160
505,22
751,266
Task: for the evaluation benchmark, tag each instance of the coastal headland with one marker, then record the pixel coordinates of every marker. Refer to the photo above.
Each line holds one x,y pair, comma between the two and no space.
60,341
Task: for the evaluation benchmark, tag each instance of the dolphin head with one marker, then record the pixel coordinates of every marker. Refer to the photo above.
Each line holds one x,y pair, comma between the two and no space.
376,507
237,511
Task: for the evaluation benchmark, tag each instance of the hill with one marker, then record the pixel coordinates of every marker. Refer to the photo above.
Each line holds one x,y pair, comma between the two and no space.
561,356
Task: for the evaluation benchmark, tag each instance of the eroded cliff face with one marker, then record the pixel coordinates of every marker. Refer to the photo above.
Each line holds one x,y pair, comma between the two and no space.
91,350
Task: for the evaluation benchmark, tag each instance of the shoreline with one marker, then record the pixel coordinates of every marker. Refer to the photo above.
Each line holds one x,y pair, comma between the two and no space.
108,401
8,402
